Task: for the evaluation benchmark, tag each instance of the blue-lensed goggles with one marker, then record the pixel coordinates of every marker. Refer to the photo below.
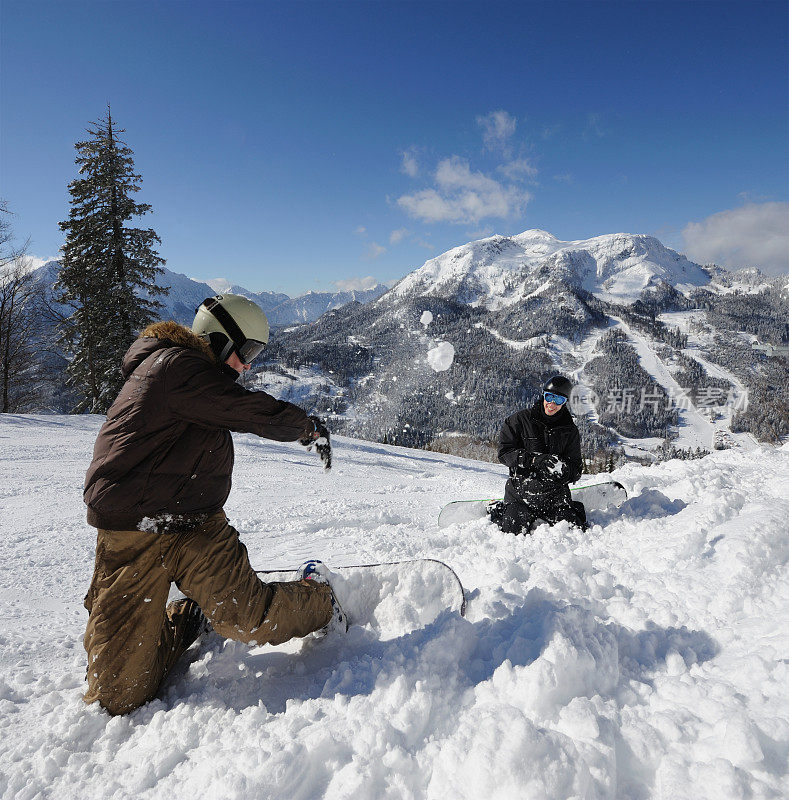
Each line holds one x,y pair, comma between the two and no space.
550,397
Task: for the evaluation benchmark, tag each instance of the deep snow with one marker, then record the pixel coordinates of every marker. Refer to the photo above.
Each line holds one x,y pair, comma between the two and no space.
645,658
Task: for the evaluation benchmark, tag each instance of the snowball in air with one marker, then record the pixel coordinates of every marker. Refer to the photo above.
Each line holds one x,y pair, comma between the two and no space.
441,357
426,318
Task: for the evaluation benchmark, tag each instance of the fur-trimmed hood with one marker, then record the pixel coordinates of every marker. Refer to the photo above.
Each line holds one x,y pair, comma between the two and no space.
160,336
178,335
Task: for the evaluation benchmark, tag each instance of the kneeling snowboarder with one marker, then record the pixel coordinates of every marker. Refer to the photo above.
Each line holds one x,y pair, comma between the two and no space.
542,448
156,488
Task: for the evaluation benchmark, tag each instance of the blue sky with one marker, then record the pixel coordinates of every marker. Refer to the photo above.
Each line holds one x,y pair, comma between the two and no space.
299,145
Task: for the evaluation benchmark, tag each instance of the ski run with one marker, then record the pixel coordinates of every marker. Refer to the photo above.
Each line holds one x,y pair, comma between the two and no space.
645,658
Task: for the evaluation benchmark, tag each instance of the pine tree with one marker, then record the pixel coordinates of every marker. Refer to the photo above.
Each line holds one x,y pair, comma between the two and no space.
108,268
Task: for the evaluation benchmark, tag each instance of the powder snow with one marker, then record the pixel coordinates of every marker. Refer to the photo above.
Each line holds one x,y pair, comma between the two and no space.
647,657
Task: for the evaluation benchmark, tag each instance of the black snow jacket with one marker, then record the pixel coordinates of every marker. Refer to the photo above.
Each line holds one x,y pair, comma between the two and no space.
532,431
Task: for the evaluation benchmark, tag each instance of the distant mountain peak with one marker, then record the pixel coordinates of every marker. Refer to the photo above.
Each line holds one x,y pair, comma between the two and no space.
220,285
501,270
187,293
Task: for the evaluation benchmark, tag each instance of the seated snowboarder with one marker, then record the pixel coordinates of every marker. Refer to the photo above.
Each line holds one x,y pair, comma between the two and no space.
542,447
156,488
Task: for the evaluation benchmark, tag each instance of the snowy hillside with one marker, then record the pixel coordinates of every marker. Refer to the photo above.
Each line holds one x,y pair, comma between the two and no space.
502,270
266,300
645,658
661,350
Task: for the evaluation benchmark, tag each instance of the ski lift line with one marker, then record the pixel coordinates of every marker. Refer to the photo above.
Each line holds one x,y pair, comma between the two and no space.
387,564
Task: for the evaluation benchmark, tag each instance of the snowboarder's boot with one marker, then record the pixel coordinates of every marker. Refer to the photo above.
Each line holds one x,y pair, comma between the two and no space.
188,619
495,510
317,571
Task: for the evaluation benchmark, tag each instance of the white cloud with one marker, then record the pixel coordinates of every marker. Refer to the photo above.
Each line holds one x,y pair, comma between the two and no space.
395,237
360,231
410,165
374,251
498,127
755,235
518,169
464,197
356,284
480,233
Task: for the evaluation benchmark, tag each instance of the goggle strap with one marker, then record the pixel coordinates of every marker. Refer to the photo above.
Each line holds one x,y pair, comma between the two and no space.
213,306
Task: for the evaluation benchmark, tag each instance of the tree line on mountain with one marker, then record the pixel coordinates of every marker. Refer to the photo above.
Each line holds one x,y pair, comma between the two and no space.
764,313
628,398
765,414
21,304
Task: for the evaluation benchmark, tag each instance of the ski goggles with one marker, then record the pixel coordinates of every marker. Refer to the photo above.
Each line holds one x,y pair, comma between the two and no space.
250,350
558,399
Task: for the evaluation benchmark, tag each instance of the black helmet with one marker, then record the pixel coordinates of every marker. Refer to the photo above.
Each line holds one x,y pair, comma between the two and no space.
558,384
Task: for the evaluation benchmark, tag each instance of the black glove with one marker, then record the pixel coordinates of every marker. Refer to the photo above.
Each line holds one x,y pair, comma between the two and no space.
548,466
523,467
320,439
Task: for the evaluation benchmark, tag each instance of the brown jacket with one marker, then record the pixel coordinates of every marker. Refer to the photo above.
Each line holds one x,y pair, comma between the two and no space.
163,460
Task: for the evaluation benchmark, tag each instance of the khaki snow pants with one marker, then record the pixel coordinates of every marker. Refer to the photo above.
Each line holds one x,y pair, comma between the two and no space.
133,642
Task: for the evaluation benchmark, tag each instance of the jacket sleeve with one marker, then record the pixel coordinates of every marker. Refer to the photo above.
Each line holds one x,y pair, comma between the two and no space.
510,443
196,391
572,457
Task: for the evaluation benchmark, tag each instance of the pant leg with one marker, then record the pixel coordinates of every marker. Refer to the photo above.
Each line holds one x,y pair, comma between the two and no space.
210,565
130,642
515,517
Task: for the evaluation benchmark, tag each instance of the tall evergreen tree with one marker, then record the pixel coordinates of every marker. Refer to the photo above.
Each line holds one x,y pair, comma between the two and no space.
109,268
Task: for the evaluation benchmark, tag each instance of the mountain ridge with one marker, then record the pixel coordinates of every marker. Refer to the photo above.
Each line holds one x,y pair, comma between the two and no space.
662,353
187,293
502,270
662,349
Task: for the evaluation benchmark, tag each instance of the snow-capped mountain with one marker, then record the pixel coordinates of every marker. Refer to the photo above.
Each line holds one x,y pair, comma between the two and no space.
664,352
266,300
504,270
308,307
661,349
186,294
284,310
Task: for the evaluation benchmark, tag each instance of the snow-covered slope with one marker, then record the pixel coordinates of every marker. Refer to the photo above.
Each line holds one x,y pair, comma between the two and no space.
502,270
645,658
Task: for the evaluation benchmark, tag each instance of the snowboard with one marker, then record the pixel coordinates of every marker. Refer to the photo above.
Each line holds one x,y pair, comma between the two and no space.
594,496
393,597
